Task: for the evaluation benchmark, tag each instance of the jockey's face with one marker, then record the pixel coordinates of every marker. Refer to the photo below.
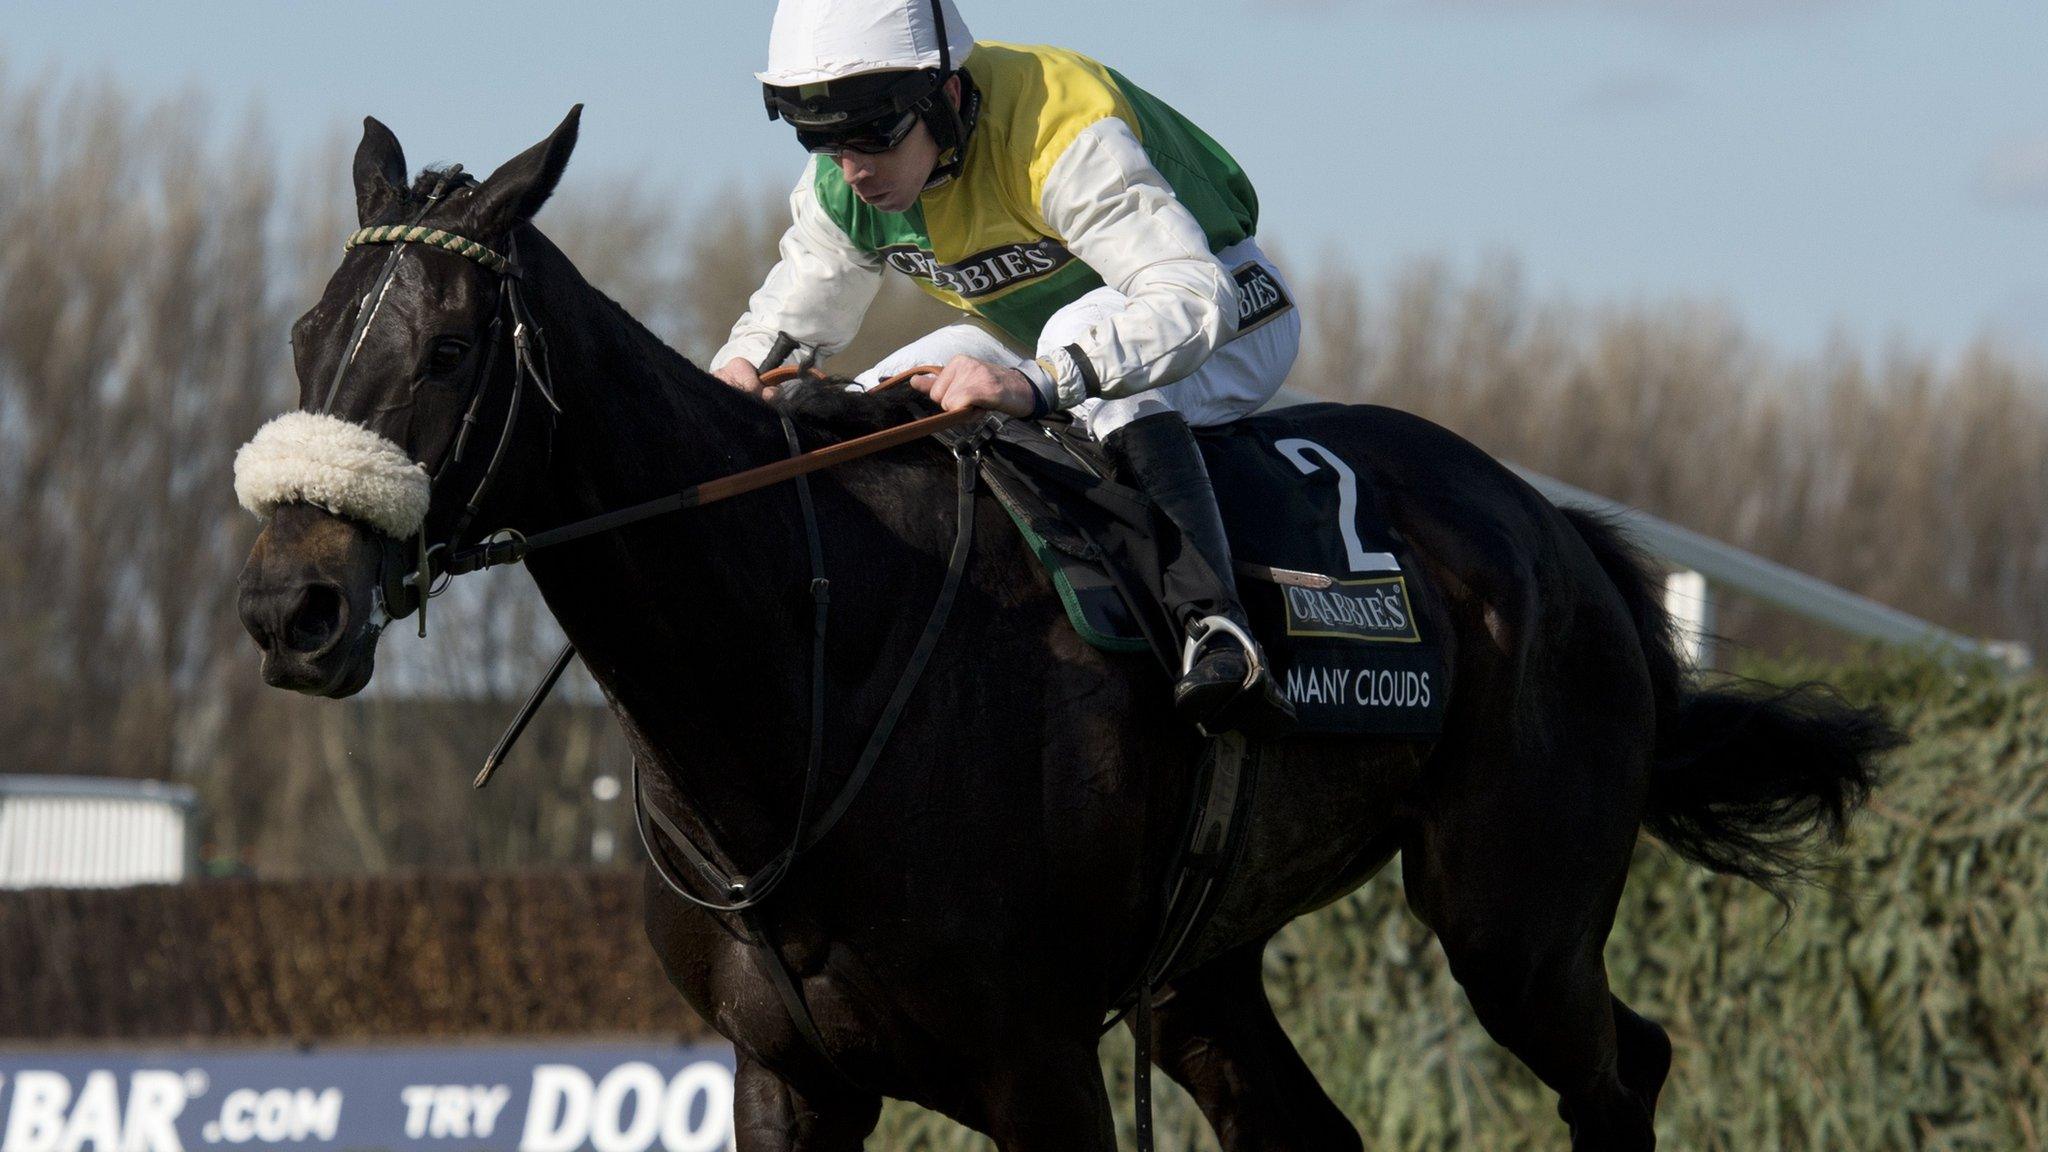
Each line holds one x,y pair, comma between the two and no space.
892,180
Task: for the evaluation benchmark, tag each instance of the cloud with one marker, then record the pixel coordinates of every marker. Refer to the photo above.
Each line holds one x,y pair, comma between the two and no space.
2015,175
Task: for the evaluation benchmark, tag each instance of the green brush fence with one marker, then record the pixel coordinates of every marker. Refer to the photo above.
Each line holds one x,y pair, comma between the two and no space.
1906,1009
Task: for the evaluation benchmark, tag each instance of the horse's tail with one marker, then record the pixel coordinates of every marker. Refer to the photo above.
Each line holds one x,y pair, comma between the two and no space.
1749,780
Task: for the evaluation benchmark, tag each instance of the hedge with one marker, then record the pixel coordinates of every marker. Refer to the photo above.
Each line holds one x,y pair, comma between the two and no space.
417,956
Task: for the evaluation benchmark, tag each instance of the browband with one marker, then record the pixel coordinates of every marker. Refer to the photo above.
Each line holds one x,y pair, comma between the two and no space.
415,234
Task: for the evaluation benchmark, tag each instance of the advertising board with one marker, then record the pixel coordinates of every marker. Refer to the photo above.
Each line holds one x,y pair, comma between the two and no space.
456,1098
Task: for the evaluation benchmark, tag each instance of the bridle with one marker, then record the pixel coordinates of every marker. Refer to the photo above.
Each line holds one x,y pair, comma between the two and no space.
406,569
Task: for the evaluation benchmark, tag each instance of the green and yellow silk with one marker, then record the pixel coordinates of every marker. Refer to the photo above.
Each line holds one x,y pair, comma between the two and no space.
980,242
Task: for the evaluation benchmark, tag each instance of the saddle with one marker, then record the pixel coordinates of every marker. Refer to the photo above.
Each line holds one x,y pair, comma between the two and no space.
1325,578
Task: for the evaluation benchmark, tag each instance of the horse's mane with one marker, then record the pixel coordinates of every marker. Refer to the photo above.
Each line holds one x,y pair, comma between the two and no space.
830,407
826,408
423,184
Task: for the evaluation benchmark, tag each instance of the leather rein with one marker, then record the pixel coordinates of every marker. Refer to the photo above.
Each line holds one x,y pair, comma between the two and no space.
509,547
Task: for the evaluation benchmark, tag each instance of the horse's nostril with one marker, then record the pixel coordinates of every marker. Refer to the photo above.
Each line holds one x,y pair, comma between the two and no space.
316,622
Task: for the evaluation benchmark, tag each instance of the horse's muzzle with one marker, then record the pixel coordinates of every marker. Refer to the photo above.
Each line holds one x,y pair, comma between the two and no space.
308,598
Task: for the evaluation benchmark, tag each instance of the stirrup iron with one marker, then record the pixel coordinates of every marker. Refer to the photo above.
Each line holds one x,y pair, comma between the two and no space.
1207,629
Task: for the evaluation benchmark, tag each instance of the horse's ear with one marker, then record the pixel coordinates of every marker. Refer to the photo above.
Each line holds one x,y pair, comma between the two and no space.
380,171
517,189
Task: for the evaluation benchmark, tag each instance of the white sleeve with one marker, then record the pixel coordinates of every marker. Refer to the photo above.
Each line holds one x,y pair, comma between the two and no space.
1115,212
818,292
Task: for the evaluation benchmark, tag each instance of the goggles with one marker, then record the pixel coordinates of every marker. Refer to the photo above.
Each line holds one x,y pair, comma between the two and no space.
866,114
872,138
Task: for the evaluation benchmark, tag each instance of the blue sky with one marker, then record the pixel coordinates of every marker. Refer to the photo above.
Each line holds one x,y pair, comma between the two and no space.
1878,169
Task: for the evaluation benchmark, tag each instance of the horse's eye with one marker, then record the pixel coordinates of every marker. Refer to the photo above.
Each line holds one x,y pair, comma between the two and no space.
446,355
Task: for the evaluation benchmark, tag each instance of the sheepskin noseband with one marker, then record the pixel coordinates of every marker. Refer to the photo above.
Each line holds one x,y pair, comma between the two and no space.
325,461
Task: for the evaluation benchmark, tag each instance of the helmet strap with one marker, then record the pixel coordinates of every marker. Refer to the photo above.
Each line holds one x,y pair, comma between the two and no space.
941,115
951,126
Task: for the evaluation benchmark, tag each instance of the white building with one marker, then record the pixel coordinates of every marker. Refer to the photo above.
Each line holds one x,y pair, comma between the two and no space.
86,832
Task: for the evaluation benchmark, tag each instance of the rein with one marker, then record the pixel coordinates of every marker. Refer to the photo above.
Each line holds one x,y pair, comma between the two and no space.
513,547
737,894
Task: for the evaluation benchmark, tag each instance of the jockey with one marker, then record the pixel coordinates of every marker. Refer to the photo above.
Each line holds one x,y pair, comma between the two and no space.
1066,208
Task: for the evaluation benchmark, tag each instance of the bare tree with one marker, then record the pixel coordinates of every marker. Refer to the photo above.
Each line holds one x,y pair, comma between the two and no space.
148,278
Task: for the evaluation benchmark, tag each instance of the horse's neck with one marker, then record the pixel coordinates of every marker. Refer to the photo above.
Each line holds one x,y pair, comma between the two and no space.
639,420
689,623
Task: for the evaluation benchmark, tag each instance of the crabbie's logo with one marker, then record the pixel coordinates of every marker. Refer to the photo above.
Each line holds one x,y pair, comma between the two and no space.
1365,610
1259,296
983,272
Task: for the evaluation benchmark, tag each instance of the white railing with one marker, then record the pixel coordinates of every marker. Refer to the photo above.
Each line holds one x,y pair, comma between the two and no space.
1703,565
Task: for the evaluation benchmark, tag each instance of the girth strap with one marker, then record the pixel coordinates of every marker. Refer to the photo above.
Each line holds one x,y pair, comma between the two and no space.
1214,839
788,991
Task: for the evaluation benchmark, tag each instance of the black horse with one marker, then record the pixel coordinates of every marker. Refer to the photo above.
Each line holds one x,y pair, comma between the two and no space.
961,934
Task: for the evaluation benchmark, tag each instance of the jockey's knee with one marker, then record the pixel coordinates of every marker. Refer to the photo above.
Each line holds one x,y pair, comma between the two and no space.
1102,417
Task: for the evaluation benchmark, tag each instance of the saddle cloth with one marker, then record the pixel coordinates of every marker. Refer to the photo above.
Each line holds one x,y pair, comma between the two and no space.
1343,619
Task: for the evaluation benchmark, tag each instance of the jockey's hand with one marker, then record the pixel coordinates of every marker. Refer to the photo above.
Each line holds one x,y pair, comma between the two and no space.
969,383
742,375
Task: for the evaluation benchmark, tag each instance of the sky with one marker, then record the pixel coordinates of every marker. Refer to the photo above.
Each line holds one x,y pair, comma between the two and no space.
1827,168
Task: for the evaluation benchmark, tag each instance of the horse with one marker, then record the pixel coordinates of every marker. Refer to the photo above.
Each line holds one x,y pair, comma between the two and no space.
961,935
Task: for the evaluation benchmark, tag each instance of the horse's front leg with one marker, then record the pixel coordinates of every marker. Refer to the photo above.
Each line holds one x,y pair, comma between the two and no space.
715,974
1047,1098
770,1115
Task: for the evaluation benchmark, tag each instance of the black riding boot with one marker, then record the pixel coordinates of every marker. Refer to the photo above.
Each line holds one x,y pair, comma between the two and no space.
1157,455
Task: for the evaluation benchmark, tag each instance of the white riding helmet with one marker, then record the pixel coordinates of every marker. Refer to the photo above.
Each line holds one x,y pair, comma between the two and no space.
818,41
